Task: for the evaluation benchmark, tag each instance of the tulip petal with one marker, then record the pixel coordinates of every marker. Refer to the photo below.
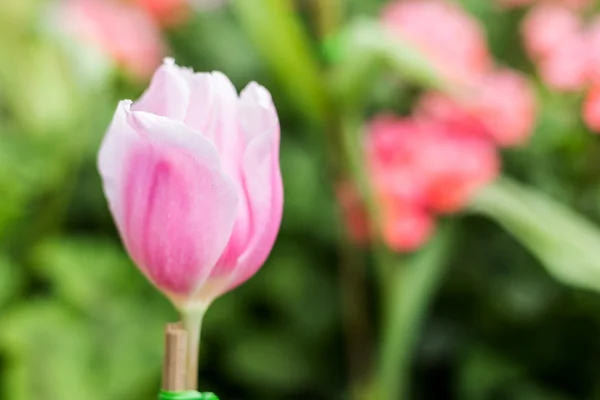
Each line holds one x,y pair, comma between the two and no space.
175,208
168,94
262,187
222,128
202,102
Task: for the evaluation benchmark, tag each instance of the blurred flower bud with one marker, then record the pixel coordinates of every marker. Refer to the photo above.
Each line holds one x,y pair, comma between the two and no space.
447,35
191,174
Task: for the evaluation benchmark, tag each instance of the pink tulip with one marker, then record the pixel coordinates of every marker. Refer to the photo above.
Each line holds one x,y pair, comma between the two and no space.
452,39
122,32
191,174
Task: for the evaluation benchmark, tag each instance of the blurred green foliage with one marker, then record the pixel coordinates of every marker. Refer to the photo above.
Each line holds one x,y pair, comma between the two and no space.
77,320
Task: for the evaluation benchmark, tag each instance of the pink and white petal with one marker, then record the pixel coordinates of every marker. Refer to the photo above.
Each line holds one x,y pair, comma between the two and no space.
168,94
112,155
202,99
264,188
177,206
222,127
177,217
260,216
257,112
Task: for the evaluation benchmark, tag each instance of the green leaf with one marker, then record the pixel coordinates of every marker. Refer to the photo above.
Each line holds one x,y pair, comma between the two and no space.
97,334
279,36
567,244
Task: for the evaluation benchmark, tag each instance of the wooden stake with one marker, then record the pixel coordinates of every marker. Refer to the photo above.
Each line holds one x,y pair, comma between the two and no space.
175,361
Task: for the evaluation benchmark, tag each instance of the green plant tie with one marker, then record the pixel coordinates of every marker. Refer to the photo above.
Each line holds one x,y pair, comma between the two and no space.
187,395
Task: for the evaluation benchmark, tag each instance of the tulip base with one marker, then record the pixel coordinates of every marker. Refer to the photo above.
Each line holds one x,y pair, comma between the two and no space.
186,395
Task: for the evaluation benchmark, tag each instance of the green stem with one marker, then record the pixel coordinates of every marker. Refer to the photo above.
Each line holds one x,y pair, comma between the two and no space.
355,313
192,322
411,289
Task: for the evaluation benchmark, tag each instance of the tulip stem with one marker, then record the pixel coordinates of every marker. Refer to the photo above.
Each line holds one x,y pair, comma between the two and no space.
412,287
192,322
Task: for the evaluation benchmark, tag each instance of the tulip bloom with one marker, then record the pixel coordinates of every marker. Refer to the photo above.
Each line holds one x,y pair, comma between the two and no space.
191,174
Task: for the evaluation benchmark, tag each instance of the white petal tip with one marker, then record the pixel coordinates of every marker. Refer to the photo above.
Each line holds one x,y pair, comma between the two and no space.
263,96
168,61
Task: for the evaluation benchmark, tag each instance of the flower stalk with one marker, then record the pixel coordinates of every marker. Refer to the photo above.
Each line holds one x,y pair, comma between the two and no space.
192,322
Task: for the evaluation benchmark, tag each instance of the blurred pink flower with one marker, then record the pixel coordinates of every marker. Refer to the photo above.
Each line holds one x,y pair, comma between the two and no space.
557,42
506,105
452,39
566,68
548,27
420,168
405,228
501,106
122,32
191,175
393,163
455,166
591,109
